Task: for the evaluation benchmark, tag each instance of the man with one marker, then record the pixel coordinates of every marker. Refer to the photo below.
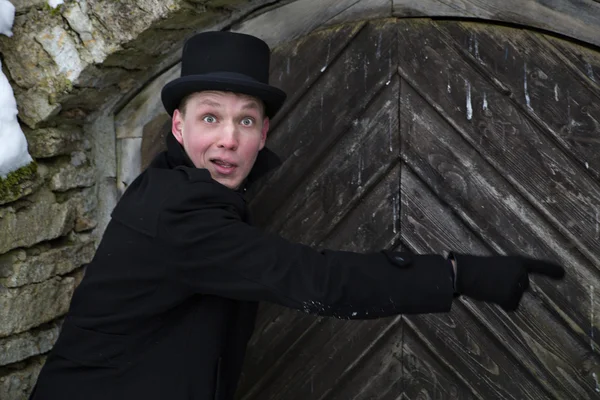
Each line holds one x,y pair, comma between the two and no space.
168,303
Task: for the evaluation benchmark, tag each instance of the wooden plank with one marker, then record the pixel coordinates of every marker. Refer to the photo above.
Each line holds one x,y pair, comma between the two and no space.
398,365
547,89
369,139
585,60
307,369
426,377
326,112
278,331
579,19
525,157
292,20
363,10
349,169
373,224
534,335
296,65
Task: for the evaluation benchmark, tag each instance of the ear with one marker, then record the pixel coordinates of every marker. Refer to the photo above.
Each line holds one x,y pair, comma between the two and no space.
265,129
177,126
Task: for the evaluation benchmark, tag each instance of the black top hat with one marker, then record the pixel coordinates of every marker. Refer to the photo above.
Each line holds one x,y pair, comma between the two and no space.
225,61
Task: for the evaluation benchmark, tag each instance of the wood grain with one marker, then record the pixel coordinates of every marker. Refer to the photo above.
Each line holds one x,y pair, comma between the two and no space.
296,65
578,19
293,20
307,368
534,336
550,89
348,170
326,112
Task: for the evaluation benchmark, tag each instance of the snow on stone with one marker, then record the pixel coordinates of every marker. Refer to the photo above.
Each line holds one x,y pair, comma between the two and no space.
55,3
7,17
13,145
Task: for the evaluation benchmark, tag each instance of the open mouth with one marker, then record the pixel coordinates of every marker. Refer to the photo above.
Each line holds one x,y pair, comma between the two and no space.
223,166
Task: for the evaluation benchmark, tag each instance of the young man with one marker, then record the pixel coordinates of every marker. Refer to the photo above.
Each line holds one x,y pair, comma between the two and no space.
168,303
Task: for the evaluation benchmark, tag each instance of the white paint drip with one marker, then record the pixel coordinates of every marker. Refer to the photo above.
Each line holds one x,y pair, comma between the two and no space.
391,130
366,69
592,317
556,92
590,71
527,98
360,168
596,382
321,115
469,104
587,165
324,68
597,223
395,205
471,43
449,88
485,103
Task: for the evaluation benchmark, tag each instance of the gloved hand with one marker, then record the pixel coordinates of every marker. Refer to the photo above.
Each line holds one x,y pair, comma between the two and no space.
499,279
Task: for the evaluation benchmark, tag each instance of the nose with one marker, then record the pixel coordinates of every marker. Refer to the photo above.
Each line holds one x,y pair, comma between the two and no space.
228,139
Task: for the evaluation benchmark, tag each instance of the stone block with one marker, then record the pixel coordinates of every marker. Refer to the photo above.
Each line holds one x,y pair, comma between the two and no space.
36,264
28,63
28,344
77,173
34,219
19,183
26,307
85,202
17,380
22,5
35,106
62,48
52,142
123,21
79,21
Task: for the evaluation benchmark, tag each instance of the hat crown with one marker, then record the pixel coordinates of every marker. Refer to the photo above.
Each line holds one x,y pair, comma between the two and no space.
218,52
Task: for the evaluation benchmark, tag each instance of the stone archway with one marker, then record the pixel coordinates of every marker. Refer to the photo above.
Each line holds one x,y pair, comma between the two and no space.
84,77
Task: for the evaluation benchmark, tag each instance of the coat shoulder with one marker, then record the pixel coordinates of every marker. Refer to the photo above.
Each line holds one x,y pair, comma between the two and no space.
173,191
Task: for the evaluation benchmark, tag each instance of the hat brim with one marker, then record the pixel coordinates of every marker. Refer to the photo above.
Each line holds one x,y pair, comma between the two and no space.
174,91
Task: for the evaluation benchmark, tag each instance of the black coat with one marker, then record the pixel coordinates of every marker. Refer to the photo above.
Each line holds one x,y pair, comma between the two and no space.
168,304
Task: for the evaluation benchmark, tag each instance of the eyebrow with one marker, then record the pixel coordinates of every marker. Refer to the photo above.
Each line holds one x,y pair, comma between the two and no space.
251,106
210,103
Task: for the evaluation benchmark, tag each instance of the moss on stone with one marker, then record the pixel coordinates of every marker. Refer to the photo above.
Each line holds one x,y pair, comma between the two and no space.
17,183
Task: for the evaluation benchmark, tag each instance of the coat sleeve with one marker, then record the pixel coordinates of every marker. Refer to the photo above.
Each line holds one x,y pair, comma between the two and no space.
212,251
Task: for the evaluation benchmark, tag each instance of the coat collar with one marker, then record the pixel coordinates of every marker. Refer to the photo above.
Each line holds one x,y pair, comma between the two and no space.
266,160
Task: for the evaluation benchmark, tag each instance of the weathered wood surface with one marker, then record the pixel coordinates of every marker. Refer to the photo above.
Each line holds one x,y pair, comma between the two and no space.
485,169
327,111
431,136
578,19
543,180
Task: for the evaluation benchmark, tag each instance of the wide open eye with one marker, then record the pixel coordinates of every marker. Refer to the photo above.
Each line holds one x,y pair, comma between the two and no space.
248,121
209,119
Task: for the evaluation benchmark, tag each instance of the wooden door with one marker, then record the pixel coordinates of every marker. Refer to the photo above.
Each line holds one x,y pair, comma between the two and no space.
432,136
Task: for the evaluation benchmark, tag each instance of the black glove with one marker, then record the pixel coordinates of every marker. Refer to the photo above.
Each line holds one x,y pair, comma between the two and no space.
499,279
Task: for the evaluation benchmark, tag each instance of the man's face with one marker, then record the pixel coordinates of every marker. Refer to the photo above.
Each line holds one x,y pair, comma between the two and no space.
222,132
